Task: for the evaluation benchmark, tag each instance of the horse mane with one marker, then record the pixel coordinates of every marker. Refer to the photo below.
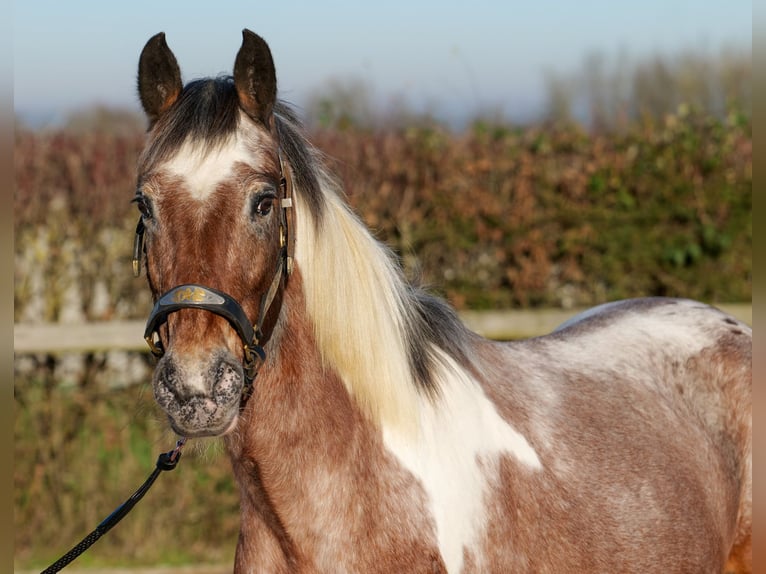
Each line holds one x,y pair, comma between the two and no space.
390,342
387,339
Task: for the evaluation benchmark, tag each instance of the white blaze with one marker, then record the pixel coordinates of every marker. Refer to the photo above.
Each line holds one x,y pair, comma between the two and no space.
203,169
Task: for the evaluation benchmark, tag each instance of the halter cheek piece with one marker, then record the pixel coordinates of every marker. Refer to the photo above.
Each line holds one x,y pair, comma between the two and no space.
194,296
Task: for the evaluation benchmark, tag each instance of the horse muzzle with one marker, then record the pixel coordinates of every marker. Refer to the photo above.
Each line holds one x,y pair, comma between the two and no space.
202,397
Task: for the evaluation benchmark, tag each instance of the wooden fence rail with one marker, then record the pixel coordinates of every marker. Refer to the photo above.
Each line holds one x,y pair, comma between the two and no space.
128,335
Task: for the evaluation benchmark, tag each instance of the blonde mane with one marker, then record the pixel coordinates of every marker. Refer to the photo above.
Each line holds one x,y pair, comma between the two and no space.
357,300
386,339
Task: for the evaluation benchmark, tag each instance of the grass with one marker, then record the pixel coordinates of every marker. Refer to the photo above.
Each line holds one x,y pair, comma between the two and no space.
81,451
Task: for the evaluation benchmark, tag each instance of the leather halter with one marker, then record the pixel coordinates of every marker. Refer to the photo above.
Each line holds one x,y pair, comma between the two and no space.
194,296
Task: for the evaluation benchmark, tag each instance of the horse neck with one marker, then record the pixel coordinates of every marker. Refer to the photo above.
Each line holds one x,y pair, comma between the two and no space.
293,364
300,411
304,454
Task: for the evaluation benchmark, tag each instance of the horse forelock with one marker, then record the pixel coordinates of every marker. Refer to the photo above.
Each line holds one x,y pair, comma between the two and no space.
206,113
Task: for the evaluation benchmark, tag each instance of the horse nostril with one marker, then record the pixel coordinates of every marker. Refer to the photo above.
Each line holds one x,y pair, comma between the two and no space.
169,380
228,380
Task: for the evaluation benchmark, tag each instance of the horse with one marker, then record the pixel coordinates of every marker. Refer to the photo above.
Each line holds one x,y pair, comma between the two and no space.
368,429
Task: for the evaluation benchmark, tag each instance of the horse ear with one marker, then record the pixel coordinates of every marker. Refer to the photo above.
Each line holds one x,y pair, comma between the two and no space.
159,77
255,78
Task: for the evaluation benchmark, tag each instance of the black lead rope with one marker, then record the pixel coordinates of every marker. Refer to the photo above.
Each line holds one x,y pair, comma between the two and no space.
166,461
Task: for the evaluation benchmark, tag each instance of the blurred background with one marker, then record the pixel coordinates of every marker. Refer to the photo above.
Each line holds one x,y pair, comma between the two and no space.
520,62
516,156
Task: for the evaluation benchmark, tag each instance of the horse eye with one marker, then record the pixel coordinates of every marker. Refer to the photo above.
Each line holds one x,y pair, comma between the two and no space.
144,206
264,205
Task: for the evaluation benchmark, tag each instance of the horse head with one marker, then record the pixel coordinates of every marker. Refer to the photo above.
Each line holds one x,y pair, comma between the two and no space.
213,194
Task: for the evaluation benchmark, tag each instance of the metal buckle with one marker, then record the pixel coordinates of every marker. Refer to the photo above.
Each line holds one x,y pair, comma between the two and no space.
155,347
254,357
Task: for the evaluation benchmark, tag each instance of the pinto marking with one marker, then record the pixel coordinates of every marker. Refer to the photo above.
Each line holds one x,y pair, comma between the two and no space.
461,438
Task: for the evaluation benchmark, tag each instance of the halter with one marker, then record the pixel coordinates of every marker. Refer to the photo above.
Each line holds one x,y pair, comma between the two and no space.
194,296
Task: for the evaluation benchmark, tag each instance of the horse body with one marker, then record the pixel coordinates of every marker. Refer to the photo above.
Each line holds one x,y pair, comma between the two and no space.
580,490
381,435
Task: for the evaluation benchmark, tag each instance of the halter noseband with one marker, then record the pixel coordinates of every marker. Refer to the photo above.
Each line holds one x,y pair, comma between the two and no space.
194,296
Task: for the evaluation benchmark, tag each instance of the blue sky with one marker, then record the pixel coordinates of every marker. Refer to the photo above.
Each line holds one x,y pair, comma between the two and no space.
446,56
